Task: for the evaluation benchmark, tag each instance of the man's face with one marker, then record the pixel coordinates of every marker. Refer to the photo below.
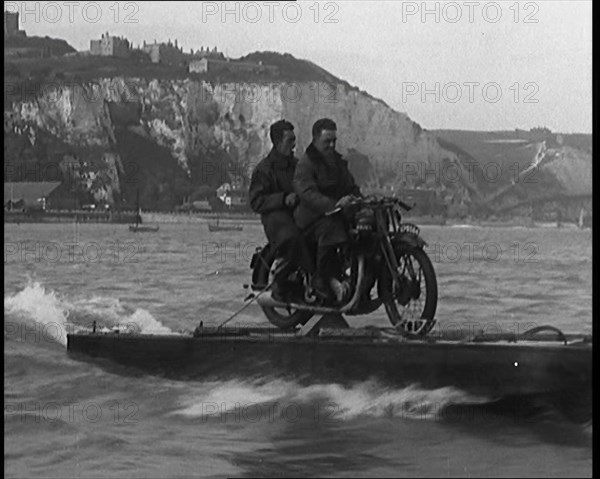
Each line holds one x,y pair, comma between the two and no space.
325,143
287,144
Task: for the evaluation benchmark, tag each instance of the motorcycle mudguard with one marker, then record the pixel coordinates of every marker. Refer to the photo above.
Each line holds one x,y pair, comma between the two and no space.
410,239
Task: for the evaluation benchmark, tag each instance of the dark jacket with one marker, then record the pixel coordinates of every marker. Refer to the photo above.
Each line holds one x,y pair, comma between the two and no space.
271,181
320,184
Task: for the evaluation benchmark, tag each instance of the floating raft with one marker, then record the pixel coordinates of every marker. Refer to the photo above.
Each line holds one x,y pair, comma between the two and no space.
494,366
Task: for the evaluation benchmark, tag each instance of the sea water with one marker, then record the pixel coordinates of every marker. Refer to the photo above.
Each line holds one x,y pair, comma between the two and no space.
91,419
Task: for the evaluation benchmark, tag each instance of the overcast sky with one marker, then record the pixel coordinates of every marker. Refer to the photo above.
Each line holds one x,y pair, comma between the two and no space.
455,65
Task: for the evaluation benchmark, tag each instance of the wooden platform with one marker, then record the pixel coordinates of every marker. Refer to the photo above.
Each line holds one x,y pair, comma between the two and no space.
492,366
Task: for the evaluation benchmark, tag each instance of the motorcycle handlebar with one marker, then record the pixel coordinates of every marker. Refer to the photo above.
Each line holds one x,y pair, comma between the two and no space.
404,206
373,201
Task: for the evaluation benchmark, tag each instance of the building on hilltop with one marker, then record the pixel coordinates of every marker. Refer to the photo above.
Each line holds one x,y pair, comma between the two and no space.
109,46
205,65
15,46
208,53
11,25
164,53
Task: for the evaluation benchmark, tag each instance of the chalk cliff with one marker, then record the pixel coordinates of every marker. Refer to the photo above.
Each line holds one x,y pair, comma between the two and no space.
115,135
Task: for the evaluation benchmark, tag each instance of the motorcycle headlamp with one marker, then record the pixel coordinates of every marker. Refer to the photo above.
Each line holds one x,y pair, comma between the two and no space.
365,220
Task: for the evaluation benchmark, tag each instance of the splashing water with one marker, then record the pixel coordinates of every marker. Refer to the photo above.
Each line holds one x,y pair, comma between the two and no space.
112,313
53,315
46,308
365,399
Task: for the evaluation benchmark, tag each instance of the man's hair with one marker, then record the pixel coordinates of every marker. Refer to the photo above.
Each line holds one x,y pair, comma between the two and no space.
323,124
277,130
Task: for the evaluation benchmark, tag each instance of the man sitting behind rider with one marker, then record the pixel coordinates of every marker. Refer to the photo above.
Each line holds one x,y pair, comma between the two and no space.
323,182
271,194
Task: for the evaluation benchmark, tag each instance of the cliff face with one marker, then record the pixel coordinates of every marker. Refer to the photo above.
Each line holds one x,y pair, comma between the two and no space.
554,171
572,168
206,133
237,118
170,138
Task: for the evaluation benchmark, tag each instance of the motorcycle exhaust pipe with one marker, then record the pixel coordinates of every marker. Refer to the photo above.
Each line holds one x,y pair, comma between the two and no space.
271,303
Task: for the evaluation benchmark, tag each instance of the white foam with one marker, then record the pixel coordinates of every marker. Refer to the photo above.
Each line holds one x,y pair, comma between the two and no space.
374,400
147,324
116,315
46,308
336,402
56,315
231,395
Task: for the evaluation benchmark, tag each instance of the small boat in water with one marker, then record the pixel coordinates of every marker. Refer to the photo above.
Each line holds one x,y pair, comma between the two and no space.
137,227
216,226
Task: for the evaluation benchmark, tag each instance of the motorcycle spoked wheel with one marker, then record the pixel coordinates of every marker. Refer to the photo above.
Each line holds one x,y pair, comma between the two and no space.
280,317
411,308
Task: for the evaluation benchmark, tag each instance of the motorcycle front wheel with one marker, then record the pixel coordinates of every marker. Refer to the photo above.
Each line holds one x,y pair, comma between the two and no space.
283,318
410,304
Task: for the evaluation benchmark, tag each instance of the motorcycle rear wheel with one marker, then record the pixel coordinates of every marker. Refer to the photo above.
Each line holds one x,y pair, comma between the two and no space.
280,317
410,309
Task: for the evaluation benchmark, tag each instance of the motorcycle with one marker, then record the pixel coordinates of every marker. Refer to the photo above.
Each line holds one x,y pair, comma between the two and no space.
383,263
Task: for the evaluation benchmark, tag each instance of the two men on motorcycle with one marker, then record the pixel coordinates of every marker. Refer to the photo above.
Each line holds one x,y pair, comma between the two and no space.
293,196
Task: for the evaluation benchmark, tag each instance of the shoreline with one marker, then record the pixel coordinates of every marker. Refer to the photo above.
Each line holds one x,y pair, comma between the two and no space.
153,218
86,217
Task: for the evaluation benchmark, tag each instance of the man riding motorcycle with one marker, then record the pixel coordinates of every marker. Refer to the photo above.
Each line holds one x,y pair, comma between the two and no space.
271,194
323,182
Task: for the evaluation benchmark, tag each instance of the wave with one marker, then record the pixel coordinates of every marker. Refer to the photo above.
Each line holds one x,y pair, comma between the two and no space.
334,402
47,310
36,313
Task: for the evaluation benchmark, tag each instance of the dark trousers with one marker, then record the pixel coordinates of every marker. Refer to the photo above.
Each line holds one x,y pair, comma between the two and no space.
328,233
288,241
296,251
279,227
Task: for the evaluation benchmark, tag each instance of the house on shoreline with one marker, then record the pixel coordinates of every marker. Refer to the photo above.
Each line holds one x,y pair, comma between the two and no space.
29,195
